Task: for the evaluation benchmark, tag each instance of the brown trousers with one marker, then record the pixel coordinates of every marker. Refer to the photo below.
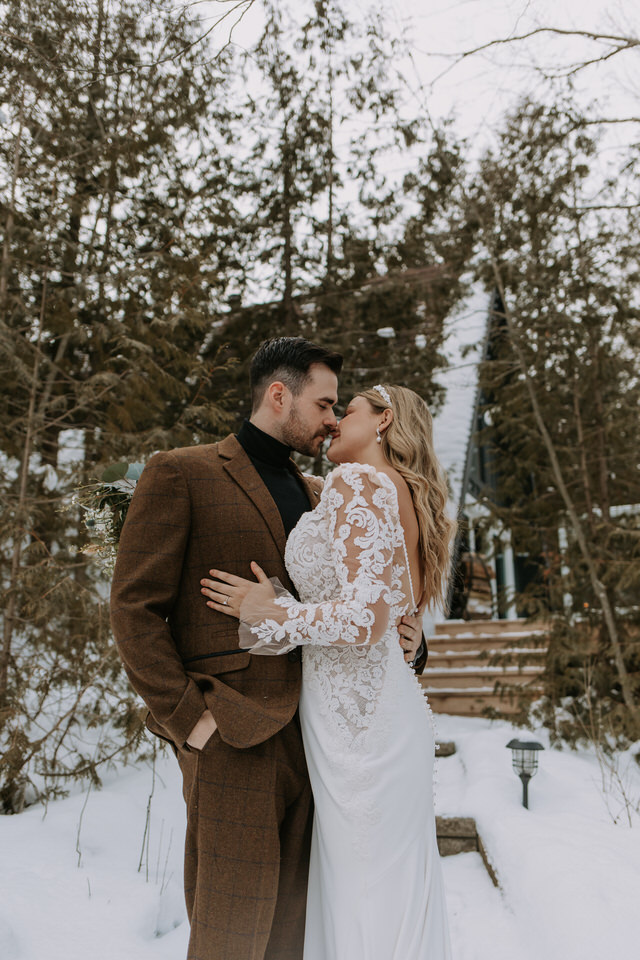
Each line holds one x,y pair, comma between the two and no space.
249,818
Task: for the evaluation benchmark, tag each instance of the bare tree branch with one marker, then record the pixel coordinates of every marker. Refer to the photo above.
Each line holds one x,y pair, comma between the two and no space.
241,7
621,42
617,43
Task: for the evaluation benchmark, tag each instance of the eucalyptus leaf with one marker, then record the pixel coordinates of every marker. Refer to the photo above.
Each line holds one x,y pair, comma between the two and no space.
116,471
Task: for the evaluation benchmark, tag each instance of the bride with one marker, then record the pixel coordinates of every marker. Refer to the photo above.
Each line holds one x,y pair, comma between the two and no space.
375,548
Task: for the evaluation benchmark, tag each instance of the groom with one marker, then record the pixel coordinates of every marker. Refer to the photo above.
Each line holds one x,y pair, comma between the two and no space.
230,717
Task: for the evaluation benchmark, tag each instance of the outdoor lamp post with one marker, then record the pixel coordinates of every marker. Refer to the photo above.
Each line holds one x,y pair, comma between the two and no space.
524,759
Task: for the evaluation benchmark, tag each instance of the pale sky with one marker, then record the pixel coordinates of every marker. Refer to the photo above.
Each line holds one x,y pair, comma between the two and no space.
482,87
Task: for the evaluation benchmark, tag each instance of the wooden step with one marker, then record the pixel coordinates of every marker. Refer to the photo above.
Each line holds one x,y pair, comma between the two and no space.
477,676
479,666
456,835
491,642
476,702
468,628
479,642
460,835
508,656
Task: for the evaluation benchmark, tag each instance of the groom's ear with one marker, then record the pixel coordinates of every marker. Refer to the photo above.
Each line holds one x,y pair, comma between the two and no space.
277,395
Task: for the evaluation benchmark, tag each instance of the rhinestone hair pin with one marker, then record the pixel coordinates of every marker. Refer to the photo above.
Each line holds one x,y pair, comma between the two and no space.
384,393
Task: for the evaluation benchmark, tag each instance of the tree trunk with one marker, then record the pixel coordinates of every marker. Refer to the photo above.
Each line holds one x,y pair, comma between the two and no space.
8,626
6,246
330,157
601,449
578,531
287,233
584,470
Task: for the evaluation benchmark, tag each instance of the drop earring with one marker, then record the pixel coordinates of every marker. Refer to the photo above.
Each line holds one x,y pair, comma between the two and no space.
378,435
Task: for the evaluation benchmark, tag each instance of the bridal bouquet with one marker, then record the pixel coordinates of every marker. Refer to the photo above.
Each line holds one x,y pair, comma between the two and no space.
104,504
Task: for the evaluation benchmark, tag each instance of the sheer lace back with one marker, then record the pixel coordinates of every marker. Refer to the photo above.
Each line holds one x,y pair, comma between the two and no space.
348,561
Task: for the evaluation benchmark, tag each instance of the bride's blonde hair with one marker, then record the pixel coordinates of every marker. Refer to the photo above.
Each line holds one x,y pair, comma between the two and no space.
407,444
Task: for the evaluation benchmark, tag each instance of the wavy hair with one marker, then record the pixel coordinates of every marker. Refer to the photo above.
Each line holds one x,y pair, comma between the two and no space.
407,444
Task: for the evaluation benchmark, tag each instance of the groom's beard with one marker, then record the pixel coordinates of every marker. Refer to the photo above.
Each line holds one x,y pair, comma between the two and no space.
295,433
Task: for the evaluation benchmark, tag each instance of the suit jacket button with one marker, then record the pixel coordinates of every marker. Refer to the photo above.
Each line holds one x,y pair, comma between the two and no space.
293,655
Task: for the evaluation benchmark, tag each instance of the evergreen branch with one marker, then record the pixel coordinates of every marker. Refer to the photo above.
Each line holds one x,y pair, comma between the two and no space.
236,6
20,41
607,206
558,474
82,771
36,745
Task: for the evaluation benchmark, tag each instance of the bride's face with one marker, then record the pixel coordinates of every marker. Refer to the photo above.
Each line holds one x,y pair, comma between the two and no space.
355,433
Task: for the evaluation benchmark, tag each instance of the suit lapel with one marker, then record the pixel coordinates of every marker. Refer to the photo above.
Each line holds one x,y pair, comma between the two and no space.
240,468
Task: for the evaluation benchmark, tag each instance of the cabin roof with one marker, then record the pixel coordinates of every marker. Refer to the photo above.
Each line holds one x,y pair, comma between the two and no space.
465,330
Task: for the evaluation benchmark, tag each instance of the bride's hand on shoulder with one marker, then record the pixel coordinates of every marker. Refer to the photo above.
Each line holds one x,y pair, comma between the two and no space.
226,592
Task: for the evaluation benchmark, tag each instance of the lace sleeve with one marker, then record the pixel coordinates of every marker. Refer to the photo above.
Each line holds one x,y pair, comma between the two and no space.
360,507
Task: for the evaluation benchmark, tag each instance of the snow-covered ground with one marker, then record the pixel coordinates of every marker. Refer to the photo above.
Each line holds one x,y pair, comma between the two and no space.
570,878
70,887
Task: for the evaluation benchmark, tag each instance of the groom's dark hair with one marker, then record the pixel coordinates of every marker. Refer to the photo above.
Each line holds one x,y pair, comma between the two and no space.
287,359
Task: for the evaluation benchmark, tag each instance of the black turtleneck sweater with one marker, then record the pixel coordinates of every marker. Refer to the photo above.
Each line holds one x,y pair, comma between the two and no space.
272,461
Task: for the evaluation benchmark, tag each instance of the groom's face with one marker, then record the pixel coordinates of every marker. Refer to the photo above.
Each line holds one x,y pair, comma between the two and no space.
311,418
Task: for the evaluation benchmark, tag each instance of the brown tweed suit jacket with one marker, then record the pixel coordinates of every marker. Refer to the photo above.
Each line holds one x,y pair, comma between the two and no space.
193,509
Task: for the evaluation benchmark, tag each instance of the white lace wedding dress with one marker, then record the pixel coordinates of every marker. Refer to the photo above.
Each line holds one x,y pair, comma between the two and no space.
375,884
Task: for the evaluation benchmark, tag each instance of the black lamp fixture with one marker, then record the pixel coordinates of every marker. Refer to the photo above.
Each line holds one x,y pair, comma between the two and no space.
524,759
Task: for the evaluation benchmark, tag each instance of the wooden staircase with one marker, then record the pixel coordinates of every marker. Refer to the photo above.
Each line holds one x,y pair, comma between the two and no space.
476,667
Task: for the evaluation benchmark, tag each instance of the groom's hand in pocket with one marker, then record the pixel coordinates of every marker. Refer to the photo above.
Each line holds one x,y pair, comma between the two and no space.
203,731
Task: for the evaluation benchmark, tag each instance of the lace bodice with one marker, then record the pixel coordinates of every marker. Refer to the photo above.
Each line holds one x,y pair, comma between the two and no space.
348,561
348,558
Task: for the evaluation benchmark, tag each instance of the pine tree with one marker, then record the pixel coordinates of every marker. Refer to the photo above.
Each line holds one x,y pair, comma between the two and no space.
561,243
118,244
327,211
